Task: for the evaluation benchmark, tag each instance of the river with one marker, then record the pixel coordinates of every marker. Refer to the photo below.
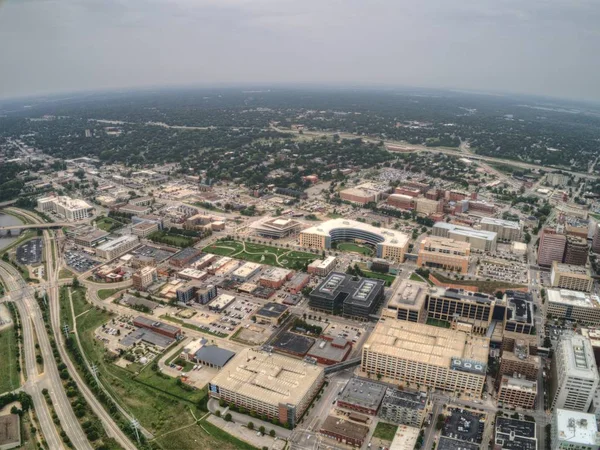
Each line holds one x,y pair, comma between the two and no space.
5,221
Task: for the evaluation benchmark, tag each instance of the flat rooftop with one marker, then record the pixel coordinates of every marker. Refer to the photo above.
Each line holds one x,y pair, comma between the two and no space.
293,343
322,263
363,393
405,438
361,292
342,427
501,222
576,427
10,432
116,243
430,345
573,298
269,378
570,268
385,236
156,324
466,231
446,443
405,398
324,349
513,434
409,294
446,243
272,310
519,384
146,335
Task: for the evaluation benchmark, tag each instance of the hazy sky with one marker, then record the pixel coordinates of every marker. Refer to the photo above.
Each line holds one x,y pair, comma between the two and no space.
549,47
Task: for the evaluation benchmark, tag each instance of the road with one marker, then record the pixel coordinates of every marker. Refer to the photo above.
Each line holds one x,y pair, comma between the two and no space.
50,379
52,289
448,151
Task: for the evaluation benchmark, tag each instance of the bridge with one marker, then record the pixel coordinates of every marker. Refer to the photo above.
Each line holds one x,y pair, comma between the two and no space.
342,365
40,226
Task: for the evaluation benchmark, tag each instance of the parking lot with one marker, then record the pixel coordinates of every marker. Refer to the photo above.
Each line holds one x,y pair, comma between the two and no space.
464,425
80,261
30,252
511,272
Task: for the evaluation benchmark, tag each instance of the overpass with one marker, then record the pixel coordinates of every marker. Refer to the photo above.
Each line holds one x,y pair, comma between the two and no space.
342,365
42,226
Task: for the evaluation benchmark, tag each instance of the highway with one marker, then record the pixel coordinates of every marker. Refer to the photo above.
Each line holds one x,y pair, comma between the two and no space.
52,289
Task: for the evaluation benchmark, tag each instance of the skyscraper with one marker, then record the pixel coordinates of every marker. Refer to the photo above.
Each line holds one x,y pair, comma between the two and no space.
552,247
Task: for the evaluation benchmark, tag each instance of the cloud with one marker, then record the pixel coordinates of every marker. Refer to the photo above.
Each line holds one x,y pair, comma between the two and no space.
537,46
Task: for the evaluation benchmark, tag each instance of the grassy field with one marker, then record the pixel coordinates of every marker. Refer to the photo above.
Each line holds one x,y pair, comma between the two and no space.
489,287
156,400
108,224
105,293
9,377
355,248
385,431
196,437
438,323
595,216
260,253
65,273
190,326
389,279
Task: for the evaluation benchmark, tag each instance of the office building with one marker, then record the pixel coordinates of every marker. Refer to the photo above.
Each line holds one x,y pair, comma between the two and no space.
519,313
364,193
574,430
465,310
444,253
505,230
275,385
551,248
574,377
596,237
135,210
427,206
329,350
408,191
66,207
389,244
514,434
408,302
271,313
362,395
403,353
577,306
581,231
404,407
340,293
221,302
276,228
519,361
112,249
480,240
322,267
144,229
344,431
481,206
144,278
402,201
275,277
576,251
517,392
246,271
557,179
575,278
155,326
298,282
185,257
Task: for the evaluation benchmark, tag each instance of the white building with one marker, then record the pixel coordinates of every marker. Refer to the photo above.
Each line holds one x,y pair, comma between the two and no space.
574,374
117,247
66,207
574,430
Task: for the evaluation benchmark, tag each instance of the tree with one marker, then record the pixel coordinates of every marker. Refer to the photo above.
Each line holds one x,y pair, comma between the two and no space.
272,433
75,282
218,413
228,417
250,425
262,429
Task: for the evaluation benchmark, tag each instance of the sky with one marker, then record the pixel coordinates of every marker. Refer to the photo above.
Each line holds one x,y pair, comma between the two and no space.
541,47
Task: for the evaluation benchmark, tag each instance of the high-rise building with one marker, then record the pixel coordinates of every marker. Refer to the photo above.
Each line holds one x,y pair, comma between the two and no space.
574,377
505,229
576,251
596,238
66,207
552,247
577,306
481,240
520,361
567,276
517,392
144,278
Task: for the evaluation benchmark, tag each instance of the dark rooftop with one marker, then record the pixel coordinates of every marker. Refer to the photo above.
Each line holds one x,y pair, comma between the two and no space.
363,393
146,335
293,343
272,310
345,428
513,434
214,355
452,444
409,399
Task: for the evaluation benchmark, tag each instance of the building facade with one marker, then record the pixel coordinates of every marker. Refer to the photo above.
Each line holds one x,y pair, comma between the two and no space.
575,278
444,253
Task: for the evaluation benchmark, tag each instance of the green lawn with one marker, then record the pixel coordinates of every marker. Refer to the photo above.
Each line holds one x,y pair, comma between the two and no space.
105,293
65,273
355,248
190,326
417,277
438,323
388,278
595,216
334,216
156,400
385,431
264,254
9,377
489,287
108,224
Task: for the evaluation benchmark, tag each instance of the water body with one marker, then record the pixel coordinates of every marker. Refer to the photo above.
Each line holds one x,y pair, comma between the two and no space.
7,220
